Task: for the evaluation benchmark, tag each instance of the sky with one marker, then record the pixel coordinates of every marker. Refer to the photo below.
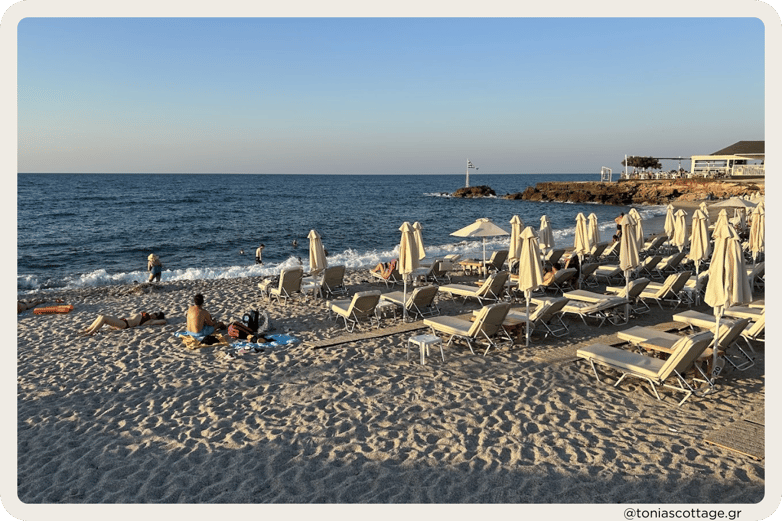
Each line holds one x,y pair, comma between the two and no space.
382,95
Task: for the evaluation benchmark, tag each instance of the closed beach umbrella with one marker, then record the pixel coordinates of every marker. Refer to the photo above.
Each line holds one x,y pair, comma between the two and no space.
757,233
317,254
740,218
514,250
705,209
594,230
581,244
728,284
419,239
668,226
639,229
680,237
722,220
628,256
700,246
483,228
545,234
530,267
408,259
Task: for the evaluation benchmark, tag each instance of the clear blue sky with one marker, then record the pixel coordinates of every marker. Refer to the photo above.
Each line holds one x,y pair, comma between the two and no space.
376,96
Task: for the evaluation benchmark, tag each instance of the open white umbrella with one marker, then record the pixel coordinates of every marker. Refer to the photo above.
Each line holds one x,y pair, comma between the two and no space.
514,249
628,256
318,261
757,233
728,284
545,234
419,239
581,244
530,267
593,229
408,260
700,246
735,202
639,229
668,226
680,238
483,228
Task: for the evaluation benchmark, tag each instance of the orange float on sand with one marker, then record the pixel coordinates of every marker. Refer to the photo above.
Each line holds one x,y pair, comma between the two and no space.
48,310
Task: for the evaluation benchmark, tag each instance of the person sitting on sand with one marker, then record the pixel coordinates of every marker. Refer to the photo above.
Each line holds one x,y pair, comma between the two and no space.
139,319
199,321
155,267
384,268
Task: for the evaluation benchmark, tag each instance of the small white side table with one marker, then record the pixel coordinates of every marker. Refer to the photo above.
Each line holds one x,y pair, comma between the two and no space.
423,342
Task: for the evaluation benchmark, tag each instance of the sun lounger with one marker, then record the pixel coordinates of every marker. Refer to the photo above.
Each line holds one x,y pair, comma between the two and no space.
547,315
562,279
670,264
611,273
730,331
647,266
360,308
611,252
632,291
652,247
598,250
754,331
669,291
755,276
329,283
684,353
419,303
553,256
588,274
486,326
759,303
496,261
602,309
289,285
389,277
492,288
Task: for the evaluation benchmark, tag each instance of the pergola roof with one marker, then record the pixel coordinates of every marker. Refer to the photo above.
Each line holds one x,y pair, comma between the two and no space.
743,148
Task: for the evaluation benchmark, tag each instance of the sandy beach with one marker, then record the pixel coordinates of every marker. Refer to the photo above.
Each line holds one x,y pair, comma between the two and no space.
133,416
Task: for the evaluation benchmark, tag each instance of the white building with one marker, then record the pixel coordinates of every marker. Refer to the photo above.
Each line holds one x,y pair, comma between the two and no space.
745,158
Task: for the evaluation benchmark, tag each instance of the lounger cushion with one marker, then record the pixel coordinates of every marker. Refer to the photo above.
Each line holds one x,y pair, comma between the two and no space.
450,325
587,308
621,359
640,334
460,289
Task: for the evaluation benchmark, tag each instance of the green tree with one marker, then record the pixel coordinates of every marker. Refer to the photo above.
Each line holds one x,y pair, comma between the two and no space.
643,162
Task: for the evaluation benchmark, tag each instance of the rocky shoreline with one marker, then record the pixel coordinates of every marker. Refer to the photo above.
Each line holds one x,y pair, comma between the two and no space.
624,193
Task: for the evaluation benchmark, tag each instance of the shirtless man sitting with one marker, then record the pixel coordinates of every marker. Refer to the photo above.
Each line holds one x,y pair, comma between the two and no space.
199,321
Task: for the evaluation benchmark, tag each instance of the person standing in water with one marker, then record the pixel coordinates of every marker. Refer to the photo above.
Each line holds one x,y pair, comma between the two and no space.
154,267
259,254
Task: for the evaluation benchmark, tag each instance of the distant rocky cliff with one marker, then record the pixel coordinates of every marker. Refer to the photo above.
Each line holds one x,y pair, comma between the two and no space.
637,192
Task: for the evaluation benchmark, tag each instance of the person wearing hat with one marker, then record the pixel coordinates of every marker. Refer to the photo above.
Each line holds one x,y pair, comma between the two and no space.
155,267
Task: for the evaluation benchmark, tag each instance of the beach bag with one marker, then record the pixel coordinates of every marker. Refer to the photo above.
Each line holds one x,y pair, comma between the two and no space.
251,320
239,330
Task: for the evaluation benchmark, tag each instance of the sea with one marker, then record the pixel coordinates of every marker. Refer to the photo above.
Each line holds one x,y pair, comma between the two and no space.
88,230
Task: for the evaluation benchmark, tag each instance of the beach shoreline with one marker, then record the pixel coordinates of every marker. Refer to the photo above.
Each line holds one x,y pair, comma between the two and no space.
133,416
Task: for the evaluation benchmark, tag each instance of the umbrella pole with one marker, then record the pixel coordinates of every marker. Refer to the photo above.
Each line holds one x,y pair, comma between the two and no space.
580,264
404,301
627,296
527,295
714,370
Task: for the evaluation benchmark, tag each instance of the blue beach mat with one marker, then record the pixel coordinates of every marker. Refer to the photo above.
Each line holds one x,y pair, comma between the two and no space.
277,341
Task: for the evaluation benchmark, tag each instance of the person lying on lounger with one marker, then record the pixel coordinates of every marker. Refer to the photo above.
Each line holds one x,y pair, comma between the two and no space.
384,268
138,319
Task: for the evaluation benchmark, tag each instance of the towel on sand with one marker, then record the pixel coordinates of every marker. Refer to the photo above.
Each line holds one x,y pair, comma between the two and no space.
194,341
277,341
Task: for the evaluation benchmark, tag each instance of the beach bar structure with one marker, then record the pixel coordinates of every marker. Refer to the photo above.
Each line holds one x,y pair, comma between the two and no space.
744,158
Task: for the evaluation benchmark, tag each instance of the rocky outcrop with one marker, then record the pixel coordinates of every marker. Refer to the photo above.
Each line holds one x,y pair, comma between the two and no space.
474,191
626,193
